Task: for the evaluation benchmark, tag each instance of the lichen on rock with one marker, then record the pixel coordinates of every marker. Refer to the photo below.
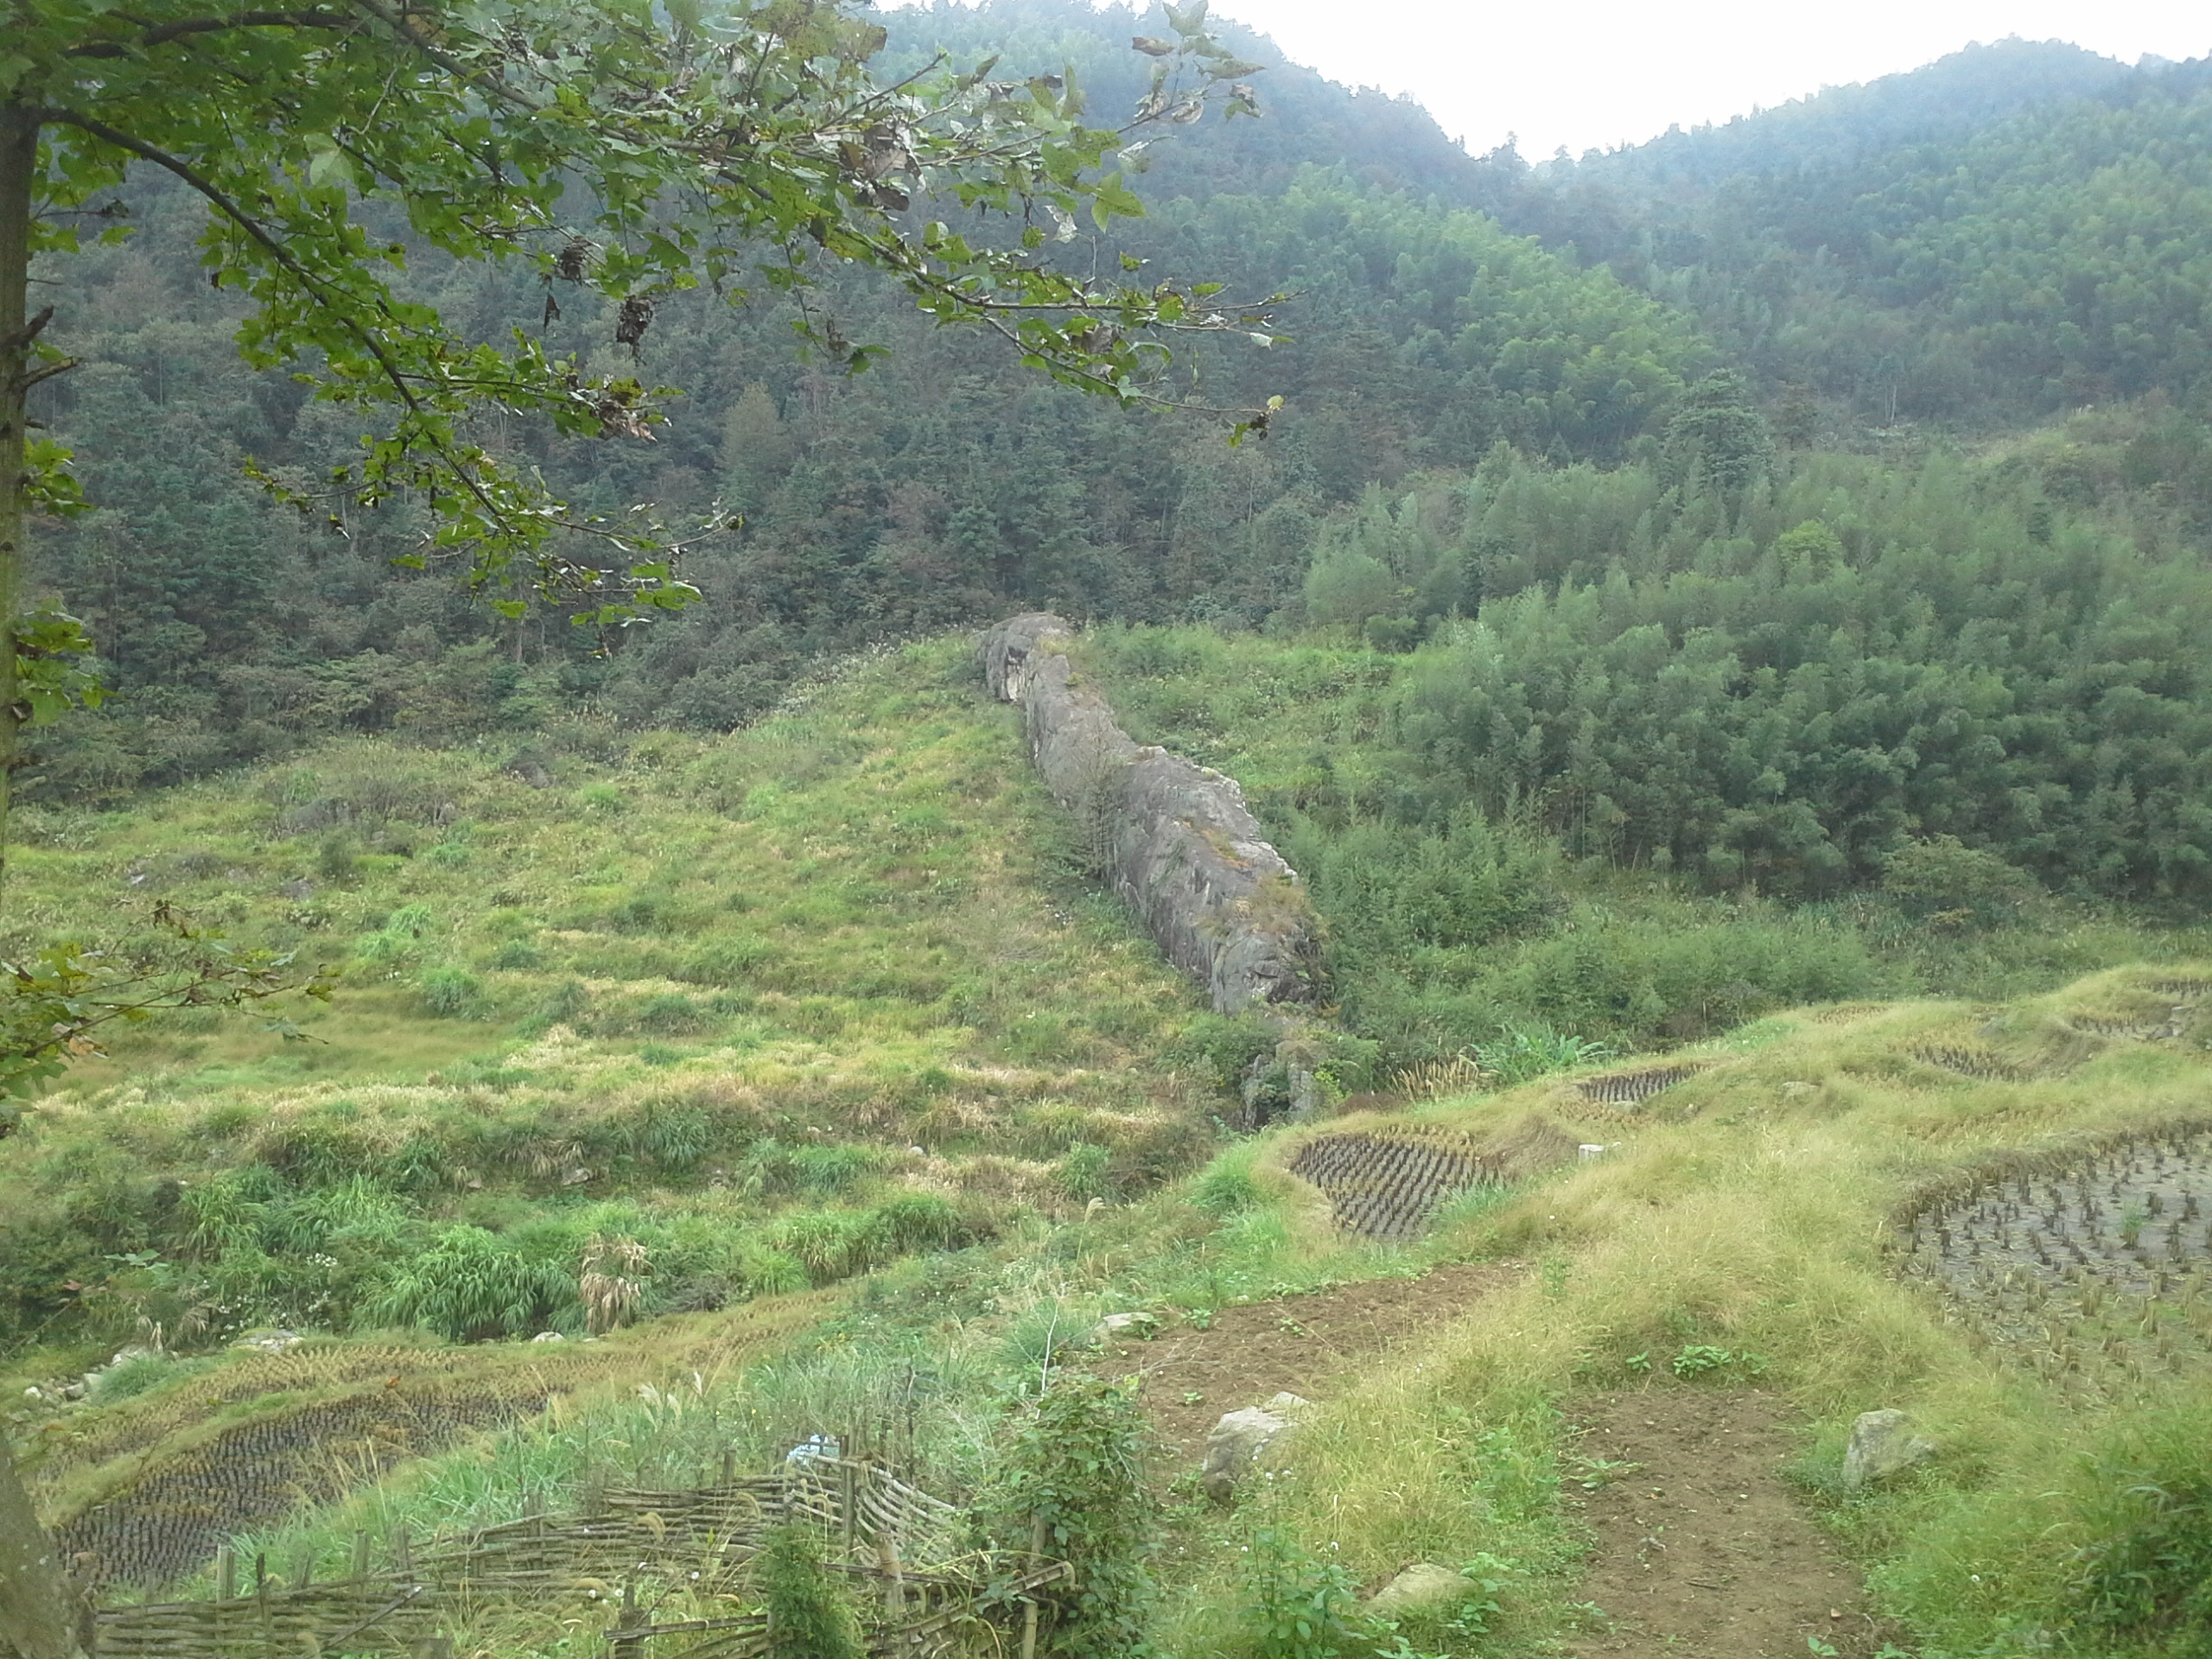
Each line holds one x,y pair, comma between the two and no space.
1174,839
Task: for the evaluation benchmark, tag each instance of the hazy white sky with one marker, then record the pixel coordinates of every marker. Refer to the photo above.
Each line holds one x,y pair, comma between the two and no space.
1595,73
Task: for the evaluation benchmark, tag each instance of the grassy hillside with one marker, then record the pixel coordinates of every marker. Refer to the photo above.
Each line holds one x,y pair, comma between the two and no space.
718,1020
1754,1227
776,1007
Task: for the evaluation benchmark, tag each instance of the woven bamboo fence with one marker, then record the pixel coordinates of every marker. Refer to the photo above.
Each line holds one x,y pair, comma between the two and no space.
904,1545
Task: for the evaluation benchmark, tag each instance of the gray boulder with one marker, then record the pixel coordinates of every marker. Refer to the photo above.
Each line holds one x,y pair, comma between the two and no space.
1175,840
1122,1327
1882,1444
1424,1587
1244,1440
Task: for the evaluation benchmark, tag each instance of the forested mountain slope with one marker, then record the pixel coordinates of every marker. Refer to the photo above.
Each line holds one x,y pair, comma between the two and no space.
1308,120
943,486
2017,229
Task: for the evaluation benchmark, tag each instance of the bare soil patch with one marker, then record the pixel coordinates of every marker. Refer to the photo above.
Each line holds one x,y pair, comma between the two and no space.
1299,1344
1700,1546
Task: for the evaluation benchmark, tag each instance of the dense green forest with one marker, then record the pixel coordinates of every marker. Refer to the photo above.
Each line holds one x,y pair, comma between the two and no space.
2017,229
1694,600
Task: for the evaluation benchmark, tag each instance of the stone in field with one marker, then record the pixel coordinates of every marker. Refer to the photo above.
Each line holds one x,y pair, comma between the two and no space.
1243,1439
1882,1443
1423,1587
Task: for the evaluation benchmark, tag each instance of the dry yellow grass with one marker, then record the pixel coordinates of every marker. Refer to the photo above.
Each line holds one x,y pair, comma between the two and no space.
1749,1208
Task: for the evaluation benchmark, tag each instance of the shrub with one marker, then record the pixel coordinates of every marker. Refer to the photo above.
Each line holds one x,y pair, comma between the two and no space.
568,1005
1296,1607
337,861
672,1013
1393,633
920,1221
1520,1053
1074,1460
669,1133
1942,876
1226,1188
824,1171
400,938
810,1613
451,993
830,1244
1083,1172
471,1285
132,1375
1221,1047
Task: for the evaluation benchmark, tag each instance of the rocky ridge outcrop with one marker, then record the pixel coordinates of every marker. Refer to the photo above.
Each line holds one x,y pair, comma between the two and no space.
1174,839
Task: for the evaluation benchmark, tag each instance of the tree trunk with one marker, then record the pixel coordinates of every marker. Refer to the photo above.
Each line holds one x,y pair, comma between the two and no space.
37,1608
18,161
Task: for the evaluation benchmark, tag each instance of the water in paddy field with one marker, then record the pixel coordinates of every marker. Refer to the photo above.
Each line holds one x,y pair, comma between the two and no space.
2099,1267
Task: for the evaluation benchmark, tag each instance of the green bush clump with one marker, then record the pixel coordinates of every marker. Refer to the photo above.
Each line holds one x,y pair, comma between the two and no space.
132,1375
809,1611
1227,1188
830,1244
674,1134
450,993
570,1004
337,862
399,940
1296,1606
1072,1459
1520,1053
1388,886
672,1013
1083,1172
1940,876
1221,1047
471,1285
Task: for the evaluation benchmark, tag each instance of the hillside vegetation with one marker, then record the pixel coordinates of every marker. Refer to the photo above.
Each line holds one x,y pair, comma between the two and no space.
1752,1224
1722,629
774,1008
2020,228
1601,755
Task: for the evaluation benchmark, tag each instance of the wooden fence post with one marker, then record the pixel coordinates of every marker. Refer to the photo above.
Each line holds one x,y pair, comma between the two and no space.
851,1504
1029,1606
623,1645
360,1554
226,1574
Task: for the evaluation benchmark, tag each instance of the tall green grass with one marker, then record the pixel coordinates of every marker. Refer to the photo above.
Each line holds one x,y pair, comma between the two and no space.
780,1005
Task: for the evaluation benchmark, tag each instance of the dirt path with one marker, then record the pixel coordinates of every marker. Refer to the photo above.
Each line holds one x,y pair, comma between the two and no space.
1302,1344
1702,1547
